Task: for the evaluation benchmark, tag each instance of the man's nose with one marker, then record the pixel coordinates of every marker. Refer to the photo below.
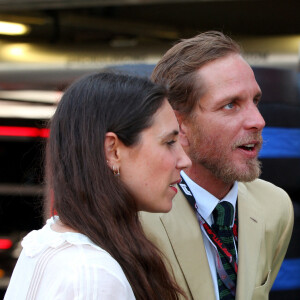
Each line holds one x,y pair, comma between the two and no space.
254,119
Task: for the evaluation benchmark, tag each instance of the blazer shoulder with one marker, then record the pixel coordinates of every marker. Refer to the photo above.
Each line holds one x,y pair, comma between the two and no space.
263,189
267,198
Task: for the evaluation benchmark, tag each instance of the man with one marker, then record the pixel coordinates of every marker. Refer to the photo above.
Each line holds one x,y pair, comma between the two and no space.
215,96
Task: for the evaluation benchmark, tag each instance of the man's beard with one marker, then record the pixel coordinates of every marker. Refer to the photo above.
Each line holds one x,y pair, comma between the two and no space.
209,152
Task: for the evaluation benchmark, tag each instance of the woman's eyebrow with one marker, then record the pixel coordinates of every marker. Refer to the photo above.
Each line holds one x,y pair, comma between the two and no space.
171,134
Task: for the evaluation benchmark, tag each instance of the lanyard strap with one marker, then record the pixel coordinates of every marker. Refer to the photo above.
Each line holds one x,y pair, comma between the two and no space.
212,236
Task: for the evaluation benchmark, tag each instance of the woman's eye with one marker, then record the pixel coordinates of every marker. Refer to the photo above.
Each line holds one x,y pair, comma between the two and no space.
170,143
229,106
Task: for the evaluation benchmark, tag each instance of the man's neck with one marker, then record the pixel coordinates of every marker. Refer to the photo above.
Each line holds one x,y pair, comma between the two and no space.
204,178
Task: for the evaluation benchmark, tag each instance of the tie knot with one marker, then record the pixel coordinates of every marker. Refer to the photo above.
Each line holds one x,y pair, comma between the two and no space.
223,214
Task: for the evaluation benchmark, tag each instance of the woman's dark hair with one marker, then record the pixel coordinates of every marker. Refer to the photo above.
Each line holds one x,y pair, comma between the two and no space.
87,196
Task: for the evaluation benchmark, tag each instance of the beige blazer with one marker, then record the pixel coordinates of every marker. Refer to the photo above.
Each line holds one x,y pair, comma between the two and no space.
265,214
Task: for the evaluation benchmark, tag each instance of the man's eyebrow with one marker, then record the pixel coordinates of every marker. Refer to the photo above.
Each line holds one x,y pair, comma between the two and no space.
235,98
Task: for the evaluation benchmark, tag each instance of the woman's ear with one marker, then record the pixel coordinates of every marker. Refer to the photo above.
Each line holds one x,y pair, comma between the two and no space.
183,138
112,149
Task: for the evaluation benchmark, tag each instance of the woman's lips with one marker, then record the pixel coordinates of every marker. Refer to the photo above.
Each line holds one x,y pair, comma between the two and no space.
174,189
172,185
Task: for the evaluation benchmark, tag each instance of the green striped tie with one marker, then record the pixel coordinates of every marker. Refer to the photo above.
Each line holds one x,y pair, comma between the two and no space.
223,217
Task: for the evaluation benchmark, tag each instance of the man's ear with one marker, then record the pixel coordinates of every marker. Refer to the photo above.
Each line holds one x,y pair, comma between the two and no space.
183,129
112,149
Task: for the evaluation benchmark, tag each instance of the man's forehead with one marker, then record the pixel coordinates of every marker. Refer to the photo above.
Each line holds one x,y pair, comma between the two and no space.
223,63
229,70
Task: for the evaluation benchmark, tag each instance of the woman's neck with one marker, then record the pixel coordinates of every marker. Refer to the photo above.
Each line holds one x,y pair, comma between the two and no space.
60,227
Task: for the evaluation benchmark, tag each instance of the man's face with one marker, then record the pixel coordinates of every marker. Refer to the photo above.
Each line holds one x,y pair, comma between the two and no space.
224,131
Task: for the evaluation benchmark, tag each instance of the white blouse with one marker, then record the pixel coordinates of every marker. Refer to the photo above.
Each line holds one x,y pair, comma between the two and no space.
65,266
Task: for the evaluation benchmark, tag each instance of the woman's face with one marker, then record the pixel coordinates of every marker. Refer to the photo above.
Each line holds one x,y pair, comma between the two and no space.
151,168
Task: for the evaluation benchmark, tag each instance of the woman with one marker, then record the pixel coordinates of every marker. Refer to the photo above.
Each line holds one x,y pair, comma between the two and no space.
113,151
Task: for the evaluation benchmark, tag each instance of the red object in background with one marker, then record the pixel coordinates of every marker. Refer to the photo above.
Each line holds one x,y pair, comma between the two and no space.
5,244
24,131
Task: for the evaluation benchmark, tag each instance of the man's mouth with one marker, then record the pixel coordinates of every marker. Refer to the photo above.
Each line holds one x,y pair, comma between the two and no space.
248,147
251,143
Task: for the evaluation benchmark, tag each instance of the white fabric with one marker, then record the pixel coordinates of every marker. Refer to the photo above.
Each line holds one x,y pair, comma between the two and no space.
63,266
206,203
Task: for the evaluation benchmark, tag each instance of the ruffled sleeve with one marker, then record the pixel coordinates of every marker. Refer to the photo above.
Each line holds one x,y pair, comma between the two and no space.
66,266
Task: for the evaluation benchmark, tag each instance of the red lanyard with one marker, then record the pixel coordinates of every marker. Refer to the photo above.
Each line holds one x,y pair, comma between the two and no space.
214,239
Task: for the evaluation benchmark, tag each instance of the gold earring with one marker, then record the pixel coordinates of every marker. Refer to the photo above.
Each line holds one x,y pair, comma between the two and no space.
116,171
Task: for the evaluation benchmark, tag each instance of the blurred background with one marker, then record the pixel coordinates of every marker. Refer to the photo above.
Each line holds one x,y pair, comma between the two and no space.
46,44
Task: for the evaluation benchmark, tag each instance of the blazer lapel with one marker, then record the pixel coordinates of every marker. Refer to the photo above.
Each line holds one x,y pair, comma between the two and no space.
250,234
185,236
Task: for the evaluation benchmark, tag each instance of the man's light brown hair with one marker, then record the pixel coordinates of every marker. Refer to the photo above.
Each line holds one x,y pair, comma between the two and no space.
177,68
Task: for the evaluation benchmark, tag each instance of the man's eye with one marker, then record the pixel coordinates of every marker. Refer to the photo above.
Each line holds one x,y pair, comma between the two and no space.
229,106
